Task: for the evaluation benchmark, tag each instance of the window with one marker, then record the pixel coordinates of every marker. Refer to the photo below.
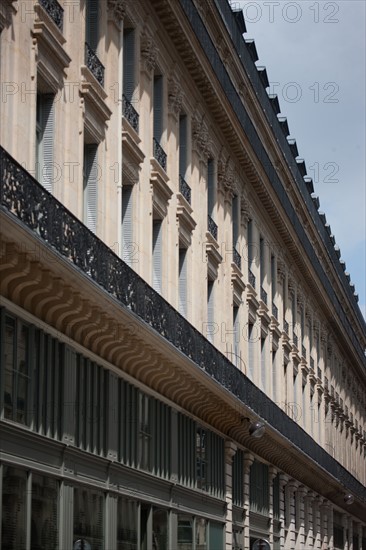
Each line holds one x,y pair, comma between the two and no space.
90,186
127,225
236,335
160,529
127,524
238,478
17,375
129,64
262,260
182,283
259,488
14,517
210,311
144,431
201,459
274,375
183,146
89,517
263,365
92,24
273,278
201,534
45,129
251,350
185,532
235,220
44,532
157,259
158,108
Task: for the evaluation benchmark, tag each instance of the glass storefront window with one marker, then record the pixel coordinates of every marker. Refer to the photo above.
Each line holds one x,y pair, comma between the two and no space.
127,524
185,532
88,518
201,534
44,513
14,509
160,530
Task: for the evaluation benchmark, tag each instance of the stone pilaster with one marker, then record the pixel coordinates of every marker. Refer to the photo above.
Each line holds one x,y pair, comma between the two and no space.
301,494
230,450
283,482
290,520
272,472
309,520
248,461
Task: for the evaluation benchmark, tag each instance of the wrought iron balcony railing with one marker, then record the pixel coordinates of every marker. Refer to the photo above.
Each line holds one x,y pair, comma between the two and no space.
285,327
275,311
311,363
326,383
93,64
303,351
236,258
130,114
55,11
264,296
159,153
184,189
212,227
24,199
319,373
251,278
295,339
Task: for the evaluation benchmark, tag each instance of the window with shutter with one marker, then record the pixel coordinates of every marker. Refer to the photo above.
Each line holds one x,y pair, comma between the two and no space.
236,335
263,365
157,255
129,63
210,311
235,219
92,20
127,225
251,350
45,130
182,282
183,145
158,108
210,187
90,186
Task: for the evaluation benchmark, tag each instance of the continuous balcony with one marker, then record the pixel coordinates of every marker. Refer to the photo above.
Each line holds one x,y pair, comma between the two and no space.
93,64
27,205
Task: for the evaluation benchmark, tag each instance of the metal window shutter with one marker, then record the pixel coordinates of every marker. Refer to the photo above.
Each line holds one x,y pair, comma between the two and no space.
129,63
158,108
127,226
235,220
91,31
210,186
182,145
251,352
91,187
157,255
48,130
183,282
210,310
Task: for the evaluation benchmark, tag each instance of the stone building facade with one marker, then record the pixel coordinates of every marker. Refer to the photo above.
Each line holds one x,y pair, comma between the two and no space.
168,286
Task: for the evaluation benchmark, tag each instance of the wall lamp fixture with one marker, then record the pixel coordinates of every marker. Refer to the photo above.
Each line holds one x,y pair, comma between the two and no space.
349,499
256,429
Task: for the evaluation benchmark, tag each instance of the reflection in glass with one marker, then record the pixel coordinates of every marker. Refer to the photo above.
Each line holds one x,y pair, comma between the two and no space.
88,517
44,513
185,532
126,524
201,534
14,509
160,530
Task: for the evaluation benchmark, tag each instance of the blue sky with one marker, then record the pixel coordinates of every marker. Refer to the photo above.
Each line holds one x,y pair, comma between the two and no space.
314,53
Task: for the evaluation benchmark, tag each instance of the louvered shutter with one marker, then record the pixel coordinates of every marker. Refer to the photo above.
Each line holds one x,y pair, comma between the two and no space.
235,220
48,131
210,311
91,30
183,281
127,212
263,364
158,108
157,255
210,186
251,354
128,63
236,335
182,145
90,186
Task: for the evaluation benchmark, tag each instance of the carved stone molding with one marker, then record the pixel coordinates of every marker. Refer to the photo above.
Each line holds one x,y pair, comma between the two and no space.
200,136
116,9
175,96
149,52
281,271
225,175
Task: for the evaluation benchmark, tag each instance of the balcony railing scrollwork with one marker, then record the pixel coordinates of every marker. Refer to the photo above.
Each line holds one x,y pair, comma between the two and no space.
251,278
295,339
236,258
319,373
212,227
130,114
55,11
93,64
285,326
264,296
303,351
275,311
184,189
159,153
23,200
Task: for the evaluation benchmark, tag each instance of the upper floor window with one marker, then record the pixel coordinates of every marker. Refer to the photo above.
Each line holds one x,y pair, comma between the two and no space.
128,251
129,78
90,187
157,255
182,281
92,24
144,431
158,121
45,129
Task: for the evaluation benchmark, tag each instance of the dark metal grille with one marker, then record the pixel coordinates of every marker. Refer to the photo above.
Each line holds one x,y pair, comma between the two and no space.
184,189
264,295
159,154
212,227
236,258
295,339
251,278
303,351
93,64
55,11
311,363
22,197
275,311
130,113
319,373
285,327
